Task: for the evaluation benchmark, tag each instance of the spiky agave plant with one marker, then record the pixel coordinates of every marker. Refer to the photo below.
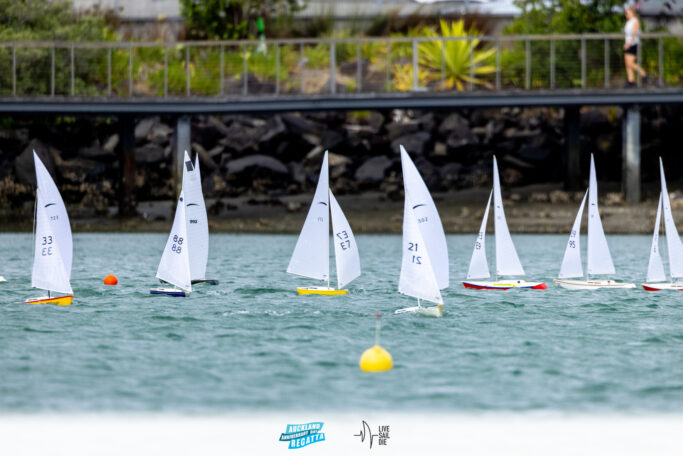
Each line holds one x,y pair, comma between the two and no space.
463,62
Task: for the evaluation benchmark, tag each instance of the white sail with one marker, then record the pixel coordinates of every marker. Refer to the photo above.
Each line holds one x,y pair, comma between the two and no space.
571,263
427,217
55,211
48,272
311,257
655,268
197,221
345,247
417,275
174,266
479,266
507,261
599,259
673,241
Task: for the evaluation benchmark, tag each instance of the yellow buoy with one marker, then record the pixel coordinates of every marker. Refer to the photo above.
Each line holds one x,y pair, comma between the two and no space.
376,359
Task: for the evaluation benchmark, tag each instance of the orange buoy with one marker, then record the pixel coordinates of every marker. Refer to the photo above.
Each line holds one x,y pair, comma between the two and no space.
111,280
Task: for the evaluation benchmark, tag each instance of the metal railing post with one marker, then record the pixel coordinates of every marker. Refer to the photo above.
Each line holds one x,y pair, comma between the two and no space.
277,68
221,84
108,71
607,75
527,83
660,51
388,85
333,67
73,72
130,70
302,63
471,45
639,52
498,69
245,77
443,64
14,70
359,73
52,71
416,81
552,64
165,70
187,70
583,63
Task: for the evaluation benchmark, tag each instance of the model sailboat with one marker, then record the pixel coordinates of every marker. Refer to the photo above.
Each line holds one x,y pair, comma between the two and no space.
311,257
174,267
53,249
599,260
197,221
424,266
507,261
656,276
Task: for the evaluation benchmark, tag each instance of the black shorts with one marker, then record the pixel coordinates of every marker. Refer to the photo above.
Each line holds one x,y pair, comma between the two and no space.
633,50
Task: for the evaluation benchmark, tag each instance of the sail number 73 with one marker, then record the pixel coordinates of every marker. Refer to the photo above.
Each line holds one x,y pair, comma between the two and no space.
412,246
345,242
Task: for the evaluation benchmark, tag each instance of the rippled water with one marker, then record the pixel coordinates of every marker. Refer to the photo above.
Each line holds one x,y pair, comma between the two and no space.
253,343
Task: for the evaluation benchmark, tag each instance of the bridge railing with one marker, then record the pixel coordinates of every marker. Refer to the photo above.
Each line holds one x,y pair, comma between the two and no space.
331,66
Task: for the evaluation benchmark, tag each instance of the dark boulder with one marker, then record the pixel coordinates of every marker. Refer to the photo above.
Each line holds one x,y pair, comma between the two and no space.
256,164
149,154
24,167
373,169
414,143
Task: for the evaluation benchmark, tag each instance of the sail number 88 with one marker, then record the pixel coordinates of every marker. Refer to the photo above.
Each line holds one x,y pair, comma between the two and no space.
177,244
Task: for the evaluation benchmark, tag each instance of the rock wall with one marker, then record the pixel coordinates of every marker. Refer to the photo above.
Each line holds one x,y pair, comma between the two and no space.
280,154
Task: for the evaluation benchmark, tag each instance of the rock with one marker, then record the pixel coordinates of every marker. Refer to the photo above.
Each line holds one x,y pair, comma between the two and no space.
454,123
299,125
614,199
159,133
24,167
111,143
559,197
450,172
79,170
440,149
511,176
297,172
204,159
95,152
149,154
415,143
398,129
256,163
143,128
330,139
275,129
373,169
593,121
293,206
218,125
337,160
241,139
375,120
538,197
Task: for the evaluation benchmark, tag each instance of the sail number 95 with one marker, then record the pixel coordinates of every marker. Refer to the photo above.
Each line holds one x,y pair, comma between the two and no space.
177,246
345,243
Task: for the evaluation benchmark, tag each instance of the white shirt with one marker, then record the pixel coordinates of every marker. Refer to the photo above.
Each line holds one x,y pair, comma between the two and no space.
632,36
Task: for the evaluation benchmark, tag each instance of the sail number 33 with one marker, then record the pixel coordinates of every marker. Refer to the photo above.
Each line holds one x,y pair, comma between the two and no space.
177,244
47,250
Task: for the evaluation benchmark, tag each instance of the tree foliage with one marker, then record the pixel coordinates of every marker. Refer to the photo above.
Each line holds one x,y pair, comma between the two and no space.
230,19
51,20
568,16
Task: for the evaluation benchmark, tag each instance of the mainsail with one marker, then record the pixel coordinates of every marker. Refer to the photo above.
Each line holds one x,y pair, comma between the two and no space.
673,241
599,259
174,266
311,257
197,221
571,263
655,267
507,261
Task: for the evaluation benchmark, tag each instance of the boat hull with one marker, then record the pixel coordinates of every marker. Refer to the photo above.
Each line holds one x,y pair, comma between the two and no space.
58,300
209,281
506,285
431,311
663,286
325,291
592,284
175,292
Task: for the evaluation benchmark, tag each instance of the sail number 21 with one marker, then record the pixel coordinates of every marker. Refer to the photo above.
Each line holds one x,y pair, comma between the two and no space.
412,246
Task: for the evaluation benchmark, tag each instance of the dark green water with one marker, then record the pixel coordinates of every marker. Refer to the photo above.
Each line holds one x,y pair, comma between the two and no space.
253,343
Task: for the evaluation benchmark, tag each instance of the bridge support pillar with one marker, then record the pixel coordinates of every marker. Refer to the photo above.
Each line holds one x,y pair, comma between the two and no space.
631,154
127,201
572,121
182,144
